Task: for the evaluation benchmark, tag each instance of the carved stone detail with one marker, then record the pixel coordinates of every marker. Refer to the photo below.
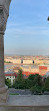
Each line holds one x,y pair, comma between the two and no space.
1,20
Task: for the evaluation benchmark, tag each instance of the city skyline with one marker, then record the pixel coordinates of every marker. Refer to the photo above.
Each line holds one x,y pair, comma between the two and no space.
27,30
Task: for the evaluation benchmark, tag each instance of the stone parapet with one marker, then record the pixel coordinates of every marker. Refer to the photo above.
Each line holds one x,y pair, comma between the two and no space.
26,103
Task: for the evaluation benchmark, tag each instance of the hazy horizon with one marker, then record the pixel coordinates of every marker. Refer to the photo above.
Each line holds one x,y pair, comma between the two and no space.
24,55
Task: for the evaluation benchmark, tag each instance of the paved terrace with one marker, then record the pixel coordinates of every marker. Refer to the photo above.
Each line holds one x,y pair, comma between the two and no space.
24,100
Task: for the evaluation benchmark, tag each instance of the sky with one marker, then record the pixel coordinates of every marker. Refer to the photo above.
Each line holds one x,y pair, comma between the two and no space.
27,30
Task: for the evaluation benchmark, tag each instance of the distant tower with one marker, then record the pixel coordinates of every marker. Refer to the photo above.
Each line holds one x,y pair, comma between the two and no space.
33,61
21,61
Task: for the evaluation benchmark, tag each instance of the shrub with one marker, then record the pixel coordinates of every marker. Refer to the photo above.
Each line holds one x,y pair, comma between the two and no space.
36,89
46,87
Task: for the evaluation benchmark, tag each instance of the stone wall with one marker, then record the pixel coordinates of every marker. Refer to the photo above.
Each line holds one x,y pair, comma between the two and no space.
24,108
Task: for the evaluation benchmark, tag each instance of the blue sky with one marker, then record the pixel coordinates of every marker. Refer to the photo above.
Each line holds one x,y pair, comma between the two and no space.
27,31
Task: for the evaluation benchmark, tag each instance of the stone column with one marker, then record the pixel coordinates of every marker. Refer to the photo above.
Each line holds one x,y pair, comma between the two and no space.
4,12
2,78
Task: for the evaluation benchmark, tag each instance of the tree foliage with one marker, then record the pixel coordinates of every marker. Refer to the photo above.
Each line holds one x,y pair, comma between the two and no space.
46,87
35,83
20,75
8,83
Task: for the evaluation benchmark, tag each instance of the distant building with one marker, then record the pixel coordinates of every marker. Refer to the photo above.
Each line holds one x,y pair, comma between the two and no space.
42,70
11,76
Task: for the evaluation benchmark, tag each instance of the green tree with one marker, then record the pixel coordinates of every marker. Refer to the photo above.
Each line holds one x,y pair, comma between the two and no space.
31,77
19,82
46,84
36,79
27,84
36,88
8,83
37,83
20,76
